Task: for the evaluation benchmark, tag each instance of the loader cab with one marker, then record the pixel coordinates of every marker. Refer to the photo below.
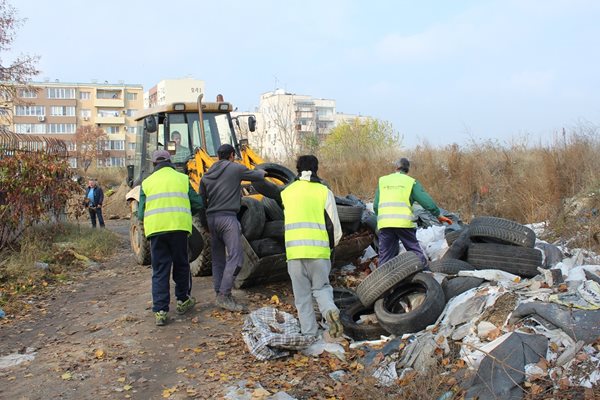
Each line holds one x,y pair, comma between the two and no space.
175,128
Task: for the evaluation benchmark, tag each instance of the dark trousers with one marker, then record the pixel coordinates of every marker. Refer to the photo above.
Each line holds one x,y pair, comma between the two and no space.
96,212
227,252
166,249
389,246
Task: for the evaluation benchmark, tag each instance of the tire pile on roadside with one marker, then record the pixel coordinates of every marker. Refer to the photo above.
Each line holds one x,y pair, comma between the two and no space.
405,299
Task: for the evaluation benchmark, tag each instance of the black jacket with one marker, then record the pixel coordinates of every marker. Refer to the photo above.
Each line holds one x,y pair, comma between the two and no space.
98,197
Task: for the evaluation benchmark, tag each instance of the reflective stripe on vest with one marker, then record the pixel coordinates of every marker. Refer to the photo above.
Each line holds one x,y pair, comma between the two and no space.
305,231
167,203
394,210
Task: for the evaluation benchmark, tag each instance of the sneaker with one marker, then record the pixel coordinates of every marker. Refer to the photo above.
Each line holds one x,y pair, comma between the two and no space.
185,306
227,302
161,318
336,329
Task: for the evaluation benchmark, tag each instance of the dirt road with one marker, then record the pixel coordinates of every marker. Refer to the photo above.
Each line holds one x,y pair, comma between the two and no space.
96,338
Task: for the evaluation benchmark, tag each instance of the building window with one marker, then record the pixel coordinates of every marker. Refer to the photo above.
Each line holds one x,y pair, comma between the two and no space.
27,93
131,96
65,111
117,161
61,93
109,113
30,110
108,94
73,162
115,145
86,113
71,146
4,111
84,95
131,146
61,128
130,112
30,128
130,129
111,129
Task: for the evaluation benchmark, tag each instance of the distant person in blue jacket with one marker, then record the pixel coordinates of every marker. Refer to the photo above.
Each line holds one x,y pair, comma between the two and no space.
94,197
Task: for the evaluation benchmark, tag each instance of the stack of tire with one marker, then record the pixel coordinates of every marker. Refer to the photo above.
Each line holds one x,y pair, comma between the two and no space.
403,299
488,243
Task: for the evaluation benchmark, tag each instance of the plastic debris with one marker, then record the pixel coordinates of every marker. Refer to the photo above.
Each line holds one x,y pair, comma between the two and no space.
17,358
2,313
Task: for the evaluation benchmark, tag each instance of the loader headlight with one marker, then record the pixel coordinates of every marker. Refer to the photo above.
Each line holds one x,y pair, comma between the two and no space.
179,107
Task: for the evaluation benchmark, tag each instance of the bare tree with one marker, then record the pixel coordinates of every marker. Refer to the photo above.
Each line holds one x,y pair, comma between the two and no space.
281,125
90,142
15,74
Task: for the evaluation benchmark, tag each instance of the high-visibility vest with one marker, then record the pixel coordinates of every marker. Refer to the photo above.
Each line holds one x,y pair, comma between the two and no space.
305,231
167,203
394,209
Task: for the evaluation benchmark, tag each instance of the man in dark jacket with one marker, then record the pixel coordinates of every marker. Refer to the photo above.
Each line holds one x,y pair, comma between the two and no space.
393,202
167,202
94,197
220,189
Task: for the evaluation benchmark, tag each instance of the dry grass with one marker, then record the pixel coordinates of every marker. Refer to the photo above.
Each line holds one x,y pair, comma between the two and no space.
107,177
522,182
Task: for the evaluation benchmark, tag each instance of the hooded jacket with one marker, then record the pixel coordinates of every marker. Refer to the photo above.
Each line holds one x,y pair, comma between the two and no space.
221,188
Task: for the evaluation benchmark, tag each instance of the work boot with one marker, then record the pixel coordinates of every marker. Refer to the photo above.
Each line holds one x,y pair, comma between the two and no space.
185,306
161,318
227,302
336,329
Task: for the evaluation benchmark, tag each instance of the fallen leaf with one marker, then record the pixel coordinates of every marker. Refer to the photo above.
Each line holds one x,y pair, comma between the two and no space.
275,299
66,376
127,387
99,354
121,379
181,370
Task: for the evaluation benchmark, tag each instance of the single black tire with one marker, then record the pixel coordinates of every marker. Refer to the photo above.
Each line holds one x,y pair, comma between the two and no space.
522,261
195,241
269,190
267,247
460,245
459,284
274,230
387,276
452,236
502,231
279,172
273,210
350,214
450,266
344,297
252,218
140,245
392,316
202,265
344,201
349,317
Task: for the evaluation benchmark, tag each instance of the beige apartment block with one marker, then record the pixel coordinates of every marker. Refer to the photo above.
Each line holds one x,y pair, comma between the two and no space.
289,120
174,91
56,109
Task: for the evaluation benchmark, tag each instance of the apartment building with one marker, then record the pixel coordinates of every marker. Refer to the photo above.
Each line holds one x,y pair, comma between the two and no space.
168,91
56,109
290,119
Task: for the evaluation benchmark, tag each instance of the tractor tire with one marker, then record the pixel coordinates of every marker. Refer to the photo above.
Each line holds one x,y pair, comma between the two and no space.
387,276
267,247
343,297
501,231
522,261
460,245
396,320
450,266
140,245
202,265
349,317
252,218
349,214
278,172
274,230
269,190
273,210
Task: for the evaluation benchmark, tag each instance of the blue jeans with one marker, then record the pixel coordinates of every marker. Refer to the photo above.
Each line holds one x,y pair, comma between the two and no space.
227,251
389,246
169,249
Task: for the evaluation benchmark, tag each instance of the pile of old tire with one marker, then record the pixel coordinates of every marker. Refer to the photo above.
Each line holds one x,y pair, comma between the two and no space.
403,299
497,243
453,285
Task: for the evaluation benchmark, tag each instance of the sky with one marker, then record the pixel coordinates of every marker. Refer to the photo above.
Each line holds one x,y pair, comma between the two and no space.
441,72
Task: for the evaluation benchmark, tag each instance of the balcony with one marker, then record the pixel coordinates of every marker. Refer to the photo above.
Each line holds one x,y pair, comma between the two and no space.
111,120
111,103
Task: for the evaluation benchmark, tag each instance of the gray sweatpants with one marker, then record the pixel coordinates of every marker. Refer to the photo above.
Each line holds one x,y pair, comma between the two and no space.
310,277
227,251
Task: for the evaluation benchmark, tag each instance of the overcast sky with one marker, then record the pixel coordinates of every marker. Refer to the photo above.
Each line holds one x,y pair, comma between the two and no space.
440,71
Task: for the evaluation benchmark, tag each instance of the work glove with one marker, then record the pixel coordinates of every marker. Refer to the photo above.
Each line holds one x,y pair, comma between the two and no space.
443,219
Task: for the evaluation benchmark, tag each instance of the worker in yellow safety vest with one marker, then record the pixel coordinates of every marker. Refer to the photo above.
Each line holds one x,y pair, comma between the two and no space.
393,202
167,202
312,230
